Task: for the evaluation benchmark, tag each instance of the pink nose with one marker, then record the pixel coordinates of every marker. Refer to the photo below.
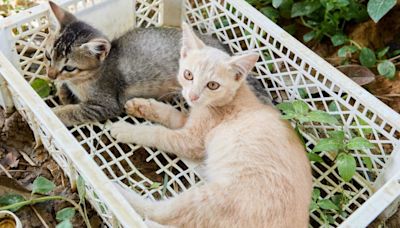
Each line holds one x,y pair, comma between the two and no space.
193,97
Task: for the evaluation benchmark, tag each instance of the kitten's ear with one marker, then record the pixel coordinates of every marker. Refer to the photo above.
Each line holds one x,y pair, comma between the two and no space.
63,17
189,40
243,64
99,47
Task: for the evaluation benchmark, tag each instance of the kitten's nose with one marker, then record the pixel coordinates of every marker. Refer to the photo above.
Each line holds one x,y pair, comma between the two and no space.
52,73
193,97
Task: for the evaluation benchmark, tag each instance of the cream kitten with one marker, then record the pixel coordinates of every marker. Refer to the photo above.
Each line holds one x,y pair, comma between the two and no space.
256,170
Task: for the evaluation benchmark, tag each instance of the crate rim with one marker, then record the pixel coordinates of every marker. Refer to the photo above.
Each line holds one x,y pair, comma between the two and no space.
73,148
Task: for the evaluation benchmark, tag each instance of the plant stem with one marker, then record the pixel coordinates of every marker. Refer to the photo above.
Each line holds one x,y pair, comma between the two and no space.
306,24
356,44
394,58
47,198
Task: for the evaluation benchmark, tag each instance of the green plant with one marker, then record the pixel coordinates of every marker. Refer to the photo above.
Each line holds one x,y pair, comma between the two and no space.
43,186
328,18
42,87
378,8
327,208
368,58
337,144
323,17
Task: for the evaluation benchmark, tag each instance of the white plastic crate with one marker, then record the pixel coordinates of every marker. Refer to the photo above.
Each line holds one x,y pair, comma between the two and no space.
287,69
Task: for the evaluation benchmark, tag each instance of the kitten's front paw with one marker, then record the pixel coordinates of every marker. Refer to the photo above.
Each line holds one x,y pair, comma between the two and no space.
121,131
140,107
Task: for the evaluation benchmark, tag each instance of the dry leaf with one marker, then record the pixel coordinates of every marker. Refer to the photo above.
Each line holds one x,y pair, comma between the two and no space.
359,74
28,159
8,185
10,160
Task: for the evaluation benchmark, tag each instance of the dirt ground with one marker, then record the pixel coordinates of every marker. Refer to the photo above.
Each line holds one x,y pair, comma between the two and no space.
21,163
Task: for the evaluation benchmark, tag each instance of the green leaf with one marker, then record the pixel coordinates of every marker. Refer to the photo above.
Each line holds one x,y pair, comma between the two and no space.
366,128
387,69
394,53
80,182
321,117
288,116
224,23
378,8
314,157
286,107
339,39
309,36
42,185
305,8
155,185
344,214
270,12
332,107
339,135
382,52
367,57
346,51
41,87
327,205
337,199
302,92
315,194
297,130
65,224
313,207
367,162
300,107
355,11
291,29
359,143
65,214
285,10
329,144
268,57
330,219
11,198
346,165
276,3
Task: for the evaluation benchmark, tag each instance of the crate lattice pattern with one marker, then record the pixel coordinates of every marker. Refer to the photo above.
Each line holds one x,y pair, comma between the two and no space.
284,74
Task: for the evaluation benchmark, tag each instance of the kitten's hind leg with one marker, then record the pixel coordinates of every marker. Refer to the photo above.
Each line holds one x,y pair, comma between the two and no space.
152,224
187,208
141,206
156,111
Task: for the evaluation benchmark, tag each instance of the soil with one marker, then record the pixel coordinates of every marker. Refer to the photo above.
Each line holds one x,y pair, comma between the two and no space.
21,163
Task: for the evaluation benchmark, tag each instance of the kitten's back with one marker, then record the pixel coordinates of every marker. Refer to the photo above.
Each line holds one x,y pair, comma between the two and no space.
153,52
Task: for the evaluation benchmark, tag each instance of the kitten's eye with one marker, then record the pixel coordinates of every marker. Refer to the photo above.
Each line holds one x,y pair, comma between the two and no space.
47,55
213,85
69,68
188,75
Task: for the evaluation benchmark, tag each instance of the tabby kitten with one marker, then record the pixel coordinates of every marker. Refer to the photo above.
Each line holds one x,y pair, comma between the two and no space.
256,170
95,77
